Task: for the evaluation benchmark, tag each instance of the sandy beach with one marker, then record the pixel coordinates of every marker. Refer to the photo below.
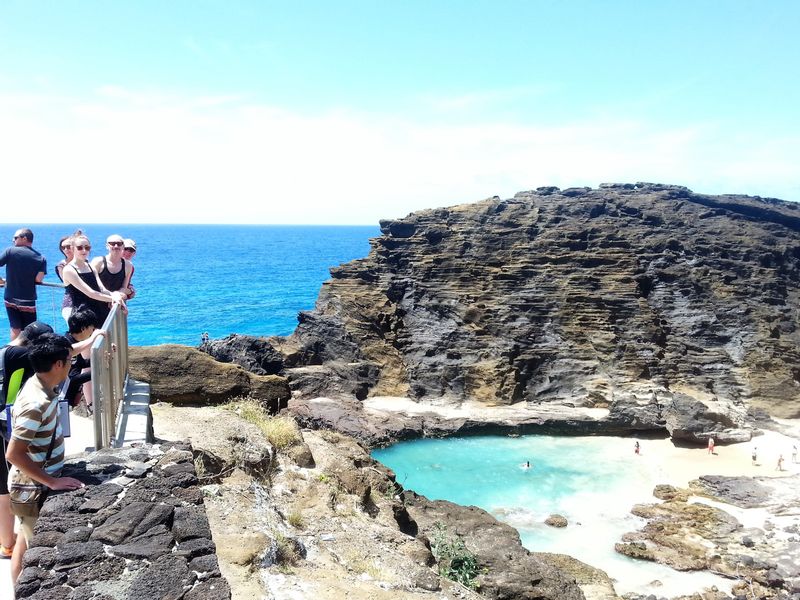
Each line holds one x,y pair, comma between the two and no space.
677,466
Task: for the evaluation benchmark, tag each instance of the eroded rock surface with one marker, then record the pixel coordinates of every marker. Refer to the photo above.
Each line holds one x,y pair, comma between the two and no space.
676,310
179,374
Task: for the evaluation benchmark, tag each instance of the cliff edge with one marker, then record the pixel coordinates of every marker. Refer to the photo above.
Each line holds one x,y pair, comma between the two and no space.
670,309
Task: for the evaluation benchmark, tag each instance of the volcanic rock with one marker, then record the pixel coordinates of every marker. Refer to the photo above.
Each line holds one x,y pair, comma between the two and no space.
179,374
671,308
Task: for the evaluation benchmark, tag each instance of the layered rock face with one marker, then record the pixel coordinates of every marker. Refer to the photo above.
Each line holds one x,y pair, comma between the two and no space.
648,299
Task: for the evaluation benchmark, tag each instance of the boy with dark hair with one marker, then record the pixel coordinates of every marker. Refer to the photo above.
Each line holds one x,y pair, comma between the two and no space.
82,334
36,431
16,369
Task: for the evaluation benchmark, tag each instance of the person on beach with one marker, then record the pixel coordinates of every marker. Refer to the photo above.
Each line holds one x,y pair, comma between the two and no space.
636,447
36,431
779,466
711,445
754,457
25,267
16,369
114,271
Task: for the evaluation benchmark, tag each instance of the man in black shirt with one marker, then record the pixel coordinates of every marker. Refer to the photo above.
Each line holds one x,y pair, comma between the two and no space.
25,267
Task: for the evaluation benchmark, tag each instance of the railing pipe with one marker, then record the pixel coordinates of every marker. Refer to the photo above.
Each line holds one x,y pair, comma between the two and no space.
109,359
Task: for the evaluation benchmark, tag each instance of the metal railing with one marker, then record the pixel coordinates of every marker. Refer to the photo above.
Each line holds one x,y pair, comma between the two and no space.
109,364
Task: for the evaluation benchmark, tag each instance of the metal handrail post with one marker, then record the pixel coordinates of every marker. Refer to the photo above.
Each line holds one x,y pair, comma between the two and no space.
109,375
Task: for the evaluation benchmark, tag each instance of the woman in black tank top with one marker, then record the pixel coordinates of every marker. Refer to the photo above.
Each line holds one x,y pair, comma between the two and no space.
84,286
114,281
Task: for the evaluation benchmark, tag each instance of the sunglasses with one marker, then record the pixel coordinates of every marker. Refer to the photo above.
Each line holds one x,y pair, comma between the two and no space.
83,247
116,244
66,247
130,249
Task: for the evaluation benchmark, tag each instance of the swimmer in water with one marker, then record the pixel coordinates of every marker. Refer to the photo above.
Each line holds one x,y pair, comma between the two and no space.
526,464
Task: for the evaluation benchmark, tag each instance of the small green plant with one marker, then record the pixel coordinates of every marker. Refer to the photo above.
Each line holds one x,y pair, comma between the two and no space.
281,432
323,478
455,561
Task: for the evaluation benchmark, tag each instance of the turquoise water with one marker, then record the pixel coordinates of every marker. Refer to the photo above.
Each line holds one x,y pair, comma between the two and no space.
217,278
487,471
592,481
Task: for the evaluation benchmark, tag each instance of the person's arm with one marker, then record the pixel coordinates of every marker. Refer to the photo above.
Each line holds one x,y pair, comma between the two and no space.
40,277
17,455
79,347
72,278
126,286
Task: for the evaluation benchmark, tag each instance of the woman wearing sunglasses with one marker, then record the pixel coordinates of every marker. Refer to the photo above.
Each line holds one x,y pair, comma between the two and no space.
84,285
65,245
114,271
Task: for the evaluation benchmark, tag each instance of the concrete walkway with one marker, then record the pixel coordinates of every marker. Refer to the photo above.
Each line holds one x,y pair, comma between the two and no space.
82,439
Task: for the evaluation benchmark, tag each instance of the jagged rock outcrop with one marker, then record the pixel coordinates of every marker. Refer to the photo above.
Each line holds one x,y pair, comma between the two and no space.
180,374
252,353
675,310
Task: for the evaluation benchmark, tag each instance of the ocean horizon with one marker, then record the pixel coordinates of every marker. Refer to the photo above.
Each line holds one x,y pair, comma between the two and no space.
215,279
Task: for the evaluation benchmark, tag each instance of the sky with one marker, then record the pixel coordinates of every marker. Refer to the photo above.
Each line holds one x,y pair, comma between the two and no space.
348,112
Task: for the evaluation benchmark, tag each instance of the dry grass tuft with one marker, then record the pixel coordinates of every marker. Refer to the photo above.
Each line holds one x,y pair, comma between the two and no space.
282,432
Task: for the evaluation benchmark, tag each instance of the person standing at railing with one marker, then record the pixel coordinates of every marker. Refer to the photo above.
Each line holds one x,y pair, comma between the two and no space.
65,245
25,267
113,270
36,449
16,369
128,252
84,285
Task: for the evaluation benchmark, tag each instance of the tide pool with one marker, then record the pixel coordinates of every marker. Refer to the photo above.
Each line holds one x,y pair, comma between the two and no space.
592,481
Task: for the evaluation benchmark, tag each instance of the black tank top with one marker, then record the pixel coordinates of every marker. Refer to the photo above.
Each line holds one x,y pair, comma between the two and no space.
79,299
112,281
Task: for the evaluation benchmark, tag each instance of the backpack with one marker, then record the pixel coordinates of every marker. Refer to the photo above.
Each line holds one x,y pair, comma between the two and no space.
14,383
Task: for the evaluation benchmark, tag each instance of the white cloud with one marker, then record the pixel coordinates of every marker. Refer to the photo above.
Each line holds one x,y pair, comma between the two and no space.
132,157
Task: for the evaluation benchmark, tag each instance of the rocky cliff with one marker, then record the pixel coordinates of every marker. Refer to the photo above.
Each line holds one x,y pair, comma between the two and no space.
672,309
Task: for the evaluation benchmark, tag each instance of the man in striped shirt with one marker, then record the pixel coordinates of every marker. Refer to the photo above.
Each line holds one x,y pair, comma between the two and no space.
36,426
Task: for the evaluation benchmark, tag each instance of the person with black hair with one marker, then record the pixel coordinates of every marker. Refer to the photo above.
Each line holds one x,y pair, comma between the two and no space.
16,369
82,334
37,444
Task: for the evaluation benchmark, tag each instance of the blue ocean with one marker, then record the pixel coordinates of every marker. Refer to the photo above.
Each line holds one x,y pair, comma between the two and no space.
219,279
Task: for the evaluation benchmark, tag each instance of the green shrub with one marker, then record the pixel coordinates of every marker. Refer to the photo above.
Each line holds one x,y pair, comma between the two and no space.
455,561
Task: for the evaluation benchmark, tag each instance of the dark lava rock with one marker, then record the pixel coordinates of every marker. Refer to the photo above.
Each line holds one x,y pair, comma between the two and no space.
40,556
195,547
190,522
79,534
744,492
160,514
167,577
148,546
29,581
206,563
120,526
253,354
97,503
213,589
76,553
105,569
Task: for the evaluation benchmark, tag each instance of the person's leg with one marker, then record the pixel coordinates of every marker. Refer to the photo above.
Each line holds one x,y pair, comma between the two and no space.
6,518
26,525
14,321
87,388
